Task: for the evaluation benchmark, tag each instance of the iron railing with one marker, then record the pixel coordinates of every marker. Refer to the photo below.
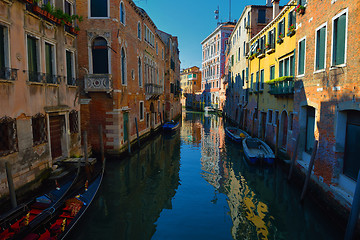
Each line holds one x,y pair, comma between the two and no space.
153,89
8,74
285,87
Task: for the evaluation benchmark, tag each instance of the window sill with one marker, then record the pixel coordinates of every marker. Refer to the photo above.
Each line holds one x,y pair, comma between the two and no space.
300,76
71,86
319,71
337,66
35,83
99,18
52,85
6,81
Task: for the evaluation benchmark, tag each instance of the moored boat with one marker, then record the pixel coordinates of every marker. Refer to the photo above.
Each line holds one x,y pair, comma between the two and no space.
257,151
171,126
236,134
58,221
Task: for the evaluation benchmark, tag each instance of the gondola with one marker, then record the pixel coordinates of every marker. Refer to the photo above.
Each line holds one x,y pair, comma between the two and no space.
57,222
236,134
171,126
15,220
257,151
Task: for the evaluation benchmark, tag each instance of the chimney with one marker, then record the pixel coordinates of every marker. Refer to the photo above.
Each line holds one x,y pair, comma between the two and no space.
268,3
276,8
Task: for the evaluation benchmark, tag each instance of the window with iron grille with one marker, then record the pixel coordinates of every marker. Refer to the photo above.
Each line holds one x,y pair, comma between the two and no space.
74,121
8,136
39,129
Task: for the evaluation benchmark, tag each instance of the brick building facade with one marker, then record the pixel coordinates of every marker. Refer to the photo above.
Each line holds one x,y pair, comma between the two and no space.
39,110
124,64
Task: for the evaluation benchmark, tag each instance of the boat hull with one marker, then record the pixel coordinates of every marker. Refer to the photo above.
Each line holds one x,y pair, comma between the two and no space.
234,134
257,151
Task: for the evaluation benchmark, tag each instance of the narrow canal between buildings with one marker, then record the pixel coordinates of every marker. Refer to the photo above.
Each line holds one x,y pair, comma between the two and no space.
195,184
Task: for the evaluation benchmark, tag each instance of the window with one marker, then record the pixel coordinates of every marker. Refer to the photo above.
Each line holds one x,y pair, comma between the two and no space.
270,115
243,78
301,57
286,66
141,110
140,73
122,13
70,68
98,8
271,38
272,72
39,129
251,82
8,136
68,8
320,40
239,53
149,36
2,48
281,28
74,121
262,79
339,39
33,68
123,67
276,119
162,53
139,30
50,63
100,56
310,127
257,81
302,2
291,20
261,16
5,72
157,49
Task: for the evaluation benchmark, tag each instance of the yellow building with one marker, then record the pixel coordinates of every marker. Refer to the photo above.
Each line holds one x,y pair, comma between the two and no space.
271,84
190,81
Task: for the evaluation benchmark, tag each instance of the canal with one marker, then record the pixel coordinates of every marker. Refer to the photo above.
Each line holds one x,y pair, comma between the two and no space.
195,184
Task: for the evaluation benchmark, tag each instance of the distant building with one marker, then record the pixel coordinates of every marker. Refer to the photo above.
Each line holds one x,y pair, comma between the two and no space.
213,64
39,109
190,84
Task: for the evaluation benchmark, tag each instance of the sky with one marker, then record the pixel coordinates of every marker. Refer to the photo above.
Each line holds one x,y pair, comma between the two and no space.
192,21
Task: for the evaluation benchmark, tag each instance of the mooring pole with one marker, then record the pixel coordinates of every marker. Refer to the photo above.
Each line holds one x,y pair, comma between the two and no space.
101,143
128,138
312,159
294,157
137,131
354,213
85,148
11,185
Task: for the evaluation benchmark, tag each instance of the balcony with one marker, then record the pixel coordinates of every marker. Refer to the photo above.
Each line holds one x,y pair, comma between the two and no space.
153,91
9,74
279,87
98,83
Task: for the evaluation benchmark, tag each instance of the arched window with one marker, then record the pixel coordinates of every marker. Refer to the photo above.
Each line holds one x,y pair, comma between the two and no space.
123,67
122,13
139,31
140,73
100,56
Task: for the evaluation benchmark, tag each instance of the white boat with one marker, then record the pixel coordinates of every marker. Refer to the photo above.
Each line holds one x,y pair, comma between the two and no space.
256,150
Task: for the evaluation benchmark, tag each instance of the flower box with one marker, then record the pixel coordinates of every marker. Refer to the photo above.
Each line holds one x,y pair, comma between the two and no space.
291,33
300,9
280,41
74,31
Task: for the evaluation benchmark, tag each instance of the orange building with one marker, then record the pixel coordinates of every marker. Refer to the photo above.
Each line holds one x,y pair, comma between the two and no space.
190,84
38,94
123,62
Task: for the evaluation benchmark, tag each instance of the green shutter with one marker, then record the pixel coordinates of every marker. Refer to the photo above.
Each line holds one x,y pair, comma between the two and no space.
247,74
48,59
272,72
320,48
292,66
69,67
339,40
301,64
281,68
2,48
32,58
286,67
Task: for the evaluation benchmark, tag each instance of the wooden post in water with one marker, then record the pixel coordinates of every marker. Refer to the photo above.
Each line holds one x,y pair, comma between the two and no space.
277,138
128,137
101,143
312,159
137,131
354,213
11,185
85,148
294,156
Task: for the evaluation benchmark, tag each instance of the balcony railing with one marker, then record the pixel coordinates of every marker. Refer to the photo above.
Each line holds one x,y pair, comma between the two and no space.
52,79
8,74
71,81
153,89
285,87
36,77
98,83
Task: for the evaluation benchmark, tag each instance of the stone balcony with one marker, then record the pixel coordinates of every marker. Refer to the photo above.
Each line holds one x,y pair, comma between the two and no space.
98,83
153,90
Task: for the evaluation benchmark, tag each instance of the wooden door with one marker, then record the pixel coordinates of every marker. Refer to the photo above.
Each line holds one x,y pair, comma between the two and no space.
284,129
56,125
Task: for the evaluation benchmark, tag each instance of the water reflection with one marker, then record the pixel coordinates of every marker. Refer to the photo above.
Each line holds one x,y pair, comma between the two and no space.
133,194
195,184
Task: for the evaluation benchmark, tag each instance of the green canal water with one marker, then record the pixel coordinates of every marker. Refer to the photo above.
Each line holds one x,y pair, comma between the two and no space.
195,184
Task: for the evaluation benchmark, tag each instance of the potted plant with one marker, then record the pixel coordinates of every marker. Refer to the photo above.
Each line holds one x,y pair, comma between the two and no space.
280,38
267,46
300,9
291,30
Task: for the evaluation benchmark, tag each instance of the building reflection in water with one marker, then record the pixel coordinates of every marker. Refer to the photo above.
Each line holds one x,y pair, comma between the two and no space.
136,190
